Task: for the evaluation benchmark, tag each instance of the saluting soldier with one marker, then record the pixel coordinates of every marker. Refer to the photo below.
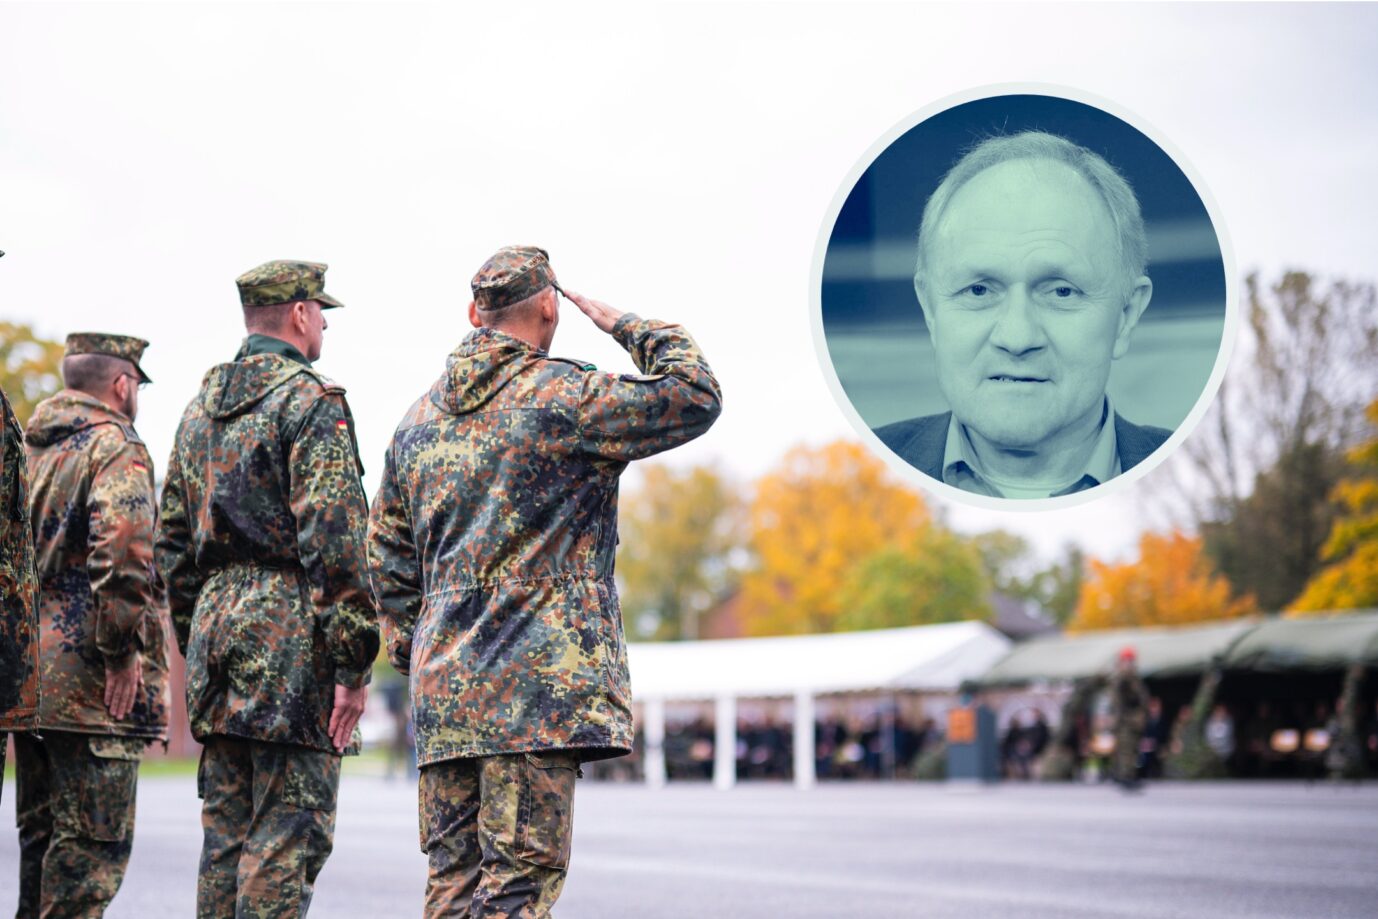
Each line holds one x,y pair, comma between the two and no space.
103,653
18,600
261,543
491,554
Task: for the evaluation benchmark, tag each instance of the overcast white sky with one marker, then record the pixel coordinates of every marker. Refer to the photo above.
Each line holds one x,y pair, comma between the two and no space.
677,161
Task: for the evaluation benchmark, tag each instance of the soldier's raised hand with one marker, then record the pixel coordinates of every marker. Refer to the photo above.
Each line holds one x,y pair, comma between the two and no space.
603,316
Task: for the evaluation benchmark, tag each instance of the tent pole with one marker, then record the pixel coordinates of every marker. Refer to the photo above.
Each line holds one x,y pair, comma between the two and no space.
725,743
654,710
804,766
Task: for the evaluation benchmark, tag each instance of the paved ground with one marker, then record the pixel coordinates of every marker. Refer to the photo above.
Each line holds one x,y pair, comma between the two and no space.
1226,851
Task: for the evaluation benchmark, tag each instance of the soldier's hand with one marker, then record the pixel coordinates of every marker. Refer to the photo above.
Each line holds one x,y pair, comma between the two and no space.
122,687
349,705
603,316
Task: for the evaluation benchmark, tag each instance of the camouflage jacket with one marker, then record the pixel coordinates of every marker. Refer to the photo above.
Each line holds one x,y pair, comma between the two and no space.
18,609
261,543
1128,701
92,504
492,537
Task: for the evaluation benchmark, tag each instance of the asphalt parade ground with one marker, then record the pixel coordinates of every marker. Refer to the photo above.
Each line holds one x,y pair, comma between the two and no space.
1220,850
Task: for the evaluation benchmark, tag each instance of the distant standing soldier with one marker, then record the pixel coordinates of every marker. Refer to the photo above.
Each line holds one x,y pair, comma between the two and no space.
1129,711
103,658
261,543
491,552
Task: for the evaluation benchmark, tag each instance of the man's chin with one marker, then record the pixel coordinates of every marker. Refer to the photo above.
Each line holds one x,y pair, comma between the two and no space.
1005,435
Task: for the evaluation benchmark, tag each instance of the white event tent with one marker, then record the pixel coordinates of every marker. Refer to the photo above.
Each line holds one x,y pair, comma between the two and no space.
931,657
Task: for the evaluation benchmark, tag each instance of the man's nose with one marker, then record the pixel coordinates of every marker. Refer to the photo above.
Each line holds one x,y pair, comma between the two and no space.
1018,327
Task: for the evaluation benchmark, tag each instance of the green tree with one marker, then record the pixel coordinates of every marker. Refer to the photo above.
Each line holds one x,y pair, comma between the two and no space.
1012,569
680,551
935,576
29,367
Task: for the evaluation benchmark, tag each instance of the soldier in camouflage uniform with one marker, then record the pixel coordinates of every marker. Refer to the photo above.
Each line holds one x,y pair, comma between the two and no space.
18,591
1129,712
18,601
103,652
261,544
491,555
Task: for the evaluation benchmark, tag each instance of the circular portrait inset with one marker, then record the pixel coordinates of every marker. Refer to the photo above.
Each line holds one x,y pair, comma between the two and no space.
1023,298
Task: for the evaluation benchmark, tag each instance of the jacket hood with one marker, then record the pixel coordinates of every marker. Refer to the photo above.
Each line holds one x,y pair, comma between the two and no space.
59,417
234,388
479,368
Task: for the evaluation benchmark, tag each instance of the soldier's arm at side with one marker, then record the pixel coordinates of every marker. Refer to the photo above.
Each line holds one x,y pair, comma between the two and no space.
394,567
120,550
327,500
674,399
173,553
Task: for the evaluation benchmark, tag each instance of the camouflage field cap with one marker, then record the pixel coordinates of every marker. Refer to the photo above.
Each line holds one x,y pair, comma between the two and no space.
511,275
123,346
285,281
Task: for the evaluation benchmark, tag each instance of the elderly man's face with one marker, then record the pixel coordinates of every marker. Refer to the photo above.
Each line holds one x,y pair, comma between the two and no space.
1027,303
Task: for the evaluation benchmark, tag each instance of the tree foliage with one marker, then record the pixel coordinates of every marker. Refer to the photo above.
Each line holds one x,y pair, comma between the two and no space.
1171,583
1350,580
812,520
681,535
1257,476
29,367
1013,570
935,576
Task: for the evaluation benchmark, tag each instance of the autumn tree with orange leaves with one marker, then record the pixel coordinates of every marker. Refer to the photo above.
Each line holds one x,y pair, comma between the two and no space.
1350,580
29,367
822,518
1171,583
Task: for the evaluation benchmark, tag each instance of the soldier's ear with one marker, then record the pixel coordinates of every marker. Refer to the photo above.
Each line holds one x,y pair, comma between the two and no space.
473,315
119,387
300,317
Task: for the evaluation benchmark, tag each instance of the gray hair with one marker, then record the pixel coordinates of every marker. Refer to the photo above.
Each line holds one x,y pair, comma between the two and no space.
1112,187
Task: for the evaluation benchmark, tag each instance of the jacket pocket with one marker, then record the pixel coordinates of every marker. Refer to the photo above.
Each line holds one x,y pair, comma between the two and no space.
545,812
106,810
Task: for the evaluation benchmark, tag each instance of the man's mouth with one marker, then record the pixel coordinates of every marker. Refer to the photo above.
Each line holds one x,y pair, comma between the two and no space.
1012,378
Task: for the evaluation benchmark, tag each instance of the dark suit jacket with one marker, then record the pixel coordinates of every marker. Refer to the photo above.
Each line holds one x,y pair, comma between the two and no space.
920,441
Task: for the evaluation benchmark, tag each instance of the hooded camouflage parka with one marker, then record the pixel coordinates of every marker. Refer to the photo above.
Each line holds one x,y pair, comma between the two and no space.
18,603
91,498
261,543
492,537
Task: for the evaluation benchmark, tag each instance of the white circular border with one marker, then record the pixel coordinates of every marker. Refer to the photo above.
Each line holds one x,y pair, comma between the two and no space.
1022,505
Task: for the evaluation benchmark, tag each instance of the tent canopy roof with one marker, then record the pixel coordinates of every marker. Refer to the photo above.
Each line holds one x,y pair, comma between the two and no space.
921,657
1162,652
1308,643
1273,644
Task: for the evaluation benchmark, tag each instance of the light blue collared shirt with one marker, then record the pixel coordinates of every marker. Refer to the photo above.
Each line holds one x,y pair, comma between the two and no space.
962,468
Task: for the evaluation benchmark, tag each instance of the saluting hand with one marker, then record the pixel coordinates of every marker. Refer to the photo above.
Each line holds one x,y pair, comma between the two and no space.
122,687
603,316
349,705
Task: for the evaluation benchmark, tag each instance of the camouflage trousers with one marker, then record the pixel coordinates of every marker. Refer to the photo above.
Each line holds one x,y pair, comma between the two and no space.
74,807
497,831
1124,762
268,817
